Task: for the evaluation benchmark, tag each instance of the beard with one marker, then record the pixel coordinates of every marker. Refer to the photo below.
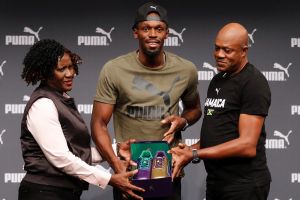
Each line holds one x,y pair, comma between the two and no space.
151,53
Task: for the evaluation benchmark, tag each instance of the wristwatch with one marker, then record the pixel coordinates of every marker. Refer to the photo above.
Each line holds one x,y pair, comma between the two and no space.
186,125
196,158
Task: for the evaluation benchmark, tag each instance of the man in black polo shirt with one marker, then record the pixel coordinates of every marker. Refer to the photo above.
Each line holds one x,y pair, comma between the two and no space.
233,132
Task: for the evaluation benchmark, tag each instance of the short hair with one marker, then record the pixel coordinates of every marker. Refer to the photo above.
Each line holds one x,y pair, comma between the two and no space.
42,58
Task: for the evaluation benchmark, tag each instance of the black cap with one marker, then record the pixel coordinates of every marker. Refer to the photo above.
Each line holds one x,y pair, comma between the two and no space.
143,11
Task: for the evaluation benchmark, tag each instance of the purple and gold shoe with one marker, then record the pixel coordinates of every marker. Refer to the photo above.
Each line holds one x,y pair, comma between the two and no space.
144,165
160,166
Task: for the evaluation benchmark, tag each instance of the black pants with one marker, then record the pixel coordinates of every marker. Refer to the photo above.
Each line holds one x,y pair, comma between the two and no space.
33,191
238,192
176,195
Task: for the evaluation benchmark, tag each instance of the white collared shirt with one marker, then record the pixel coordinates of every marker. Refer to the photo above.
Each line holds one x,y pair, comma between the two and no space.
43,123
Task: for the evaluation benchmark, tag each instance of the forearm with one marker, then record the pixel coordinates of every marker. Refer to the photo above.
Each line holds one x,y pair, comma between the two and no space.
103,143
191,115
192,111
233,148
74,166
243,146
196,145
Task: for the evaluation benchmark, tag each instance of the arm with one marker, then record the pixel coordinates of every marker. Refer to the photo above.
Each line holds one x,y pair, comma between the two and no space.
191,114
244,146
101,115
48,133
100,118
192,110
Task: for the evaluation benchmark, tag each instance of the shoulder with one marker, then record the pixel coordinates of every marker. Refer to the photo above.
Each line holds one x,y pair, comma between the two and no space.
175,59
181,65
121,59
43,105
119,62
254,75
255,81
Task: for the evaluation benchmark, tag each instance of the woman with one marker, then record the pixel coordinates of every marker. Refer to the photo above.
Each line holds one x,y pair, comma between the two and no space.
54,138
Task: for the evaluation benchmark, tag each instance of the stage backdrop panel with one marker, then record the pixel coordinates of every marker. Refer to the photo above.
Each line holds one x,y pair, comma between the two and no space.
101,30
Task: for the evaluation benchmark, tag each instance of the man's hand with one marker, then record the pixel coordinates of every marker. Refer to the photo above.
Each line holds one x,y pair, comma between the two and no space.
181,156
121,181
124,150
176,124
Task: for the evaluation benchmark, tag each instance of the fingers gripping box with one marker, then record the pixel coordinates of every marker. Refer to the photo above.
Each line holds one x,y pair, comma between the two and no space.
154,167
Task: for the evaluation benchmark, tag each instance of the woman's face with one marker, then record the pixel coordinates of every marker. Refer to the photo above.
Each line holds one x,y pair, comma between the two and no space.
64,73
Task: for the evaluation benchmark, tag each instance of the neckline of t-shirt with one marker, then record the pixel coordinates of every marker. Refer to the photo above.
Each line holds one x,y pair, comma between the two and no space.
152,68
229,76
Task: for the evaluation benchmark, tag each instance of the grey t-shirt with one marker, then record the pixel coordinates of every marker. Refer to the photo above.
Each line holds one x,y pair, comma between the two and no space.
143,96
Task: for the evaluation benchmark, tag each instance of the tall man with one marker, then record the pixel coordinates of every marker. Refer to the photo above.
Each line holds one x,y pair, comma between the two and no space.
142,90
233,132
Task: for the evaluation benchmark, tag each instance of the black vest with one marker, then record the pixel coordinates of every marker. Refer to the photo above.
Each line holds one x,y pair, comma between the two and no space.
39,169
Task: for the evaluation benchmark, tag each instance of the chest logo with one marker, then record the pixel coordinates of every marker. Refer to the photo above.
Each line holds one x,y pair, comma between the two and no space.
215,103
140,83
210,112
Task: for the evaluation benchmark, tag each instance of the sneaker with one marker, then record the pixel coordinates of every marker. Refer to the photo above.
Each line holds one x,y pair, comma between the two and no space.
160,166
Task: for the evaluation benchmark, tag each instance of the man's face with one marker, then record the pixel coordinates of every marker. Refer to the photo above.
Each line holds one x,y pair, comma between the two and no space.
229,54
151,36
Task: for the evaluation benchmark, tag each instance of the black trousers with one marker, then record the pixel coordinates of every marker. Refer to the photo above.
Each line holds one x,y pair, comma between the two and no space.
237,192
33,191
